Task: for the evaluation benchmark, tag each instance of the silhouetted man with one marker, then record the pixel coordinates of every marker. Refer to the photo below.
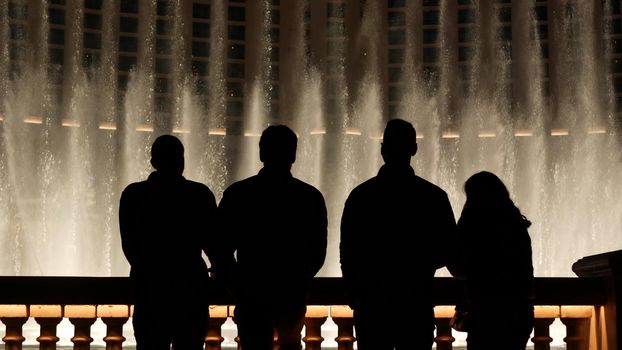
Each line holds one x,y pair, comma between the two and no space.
394,233
165,225
277,226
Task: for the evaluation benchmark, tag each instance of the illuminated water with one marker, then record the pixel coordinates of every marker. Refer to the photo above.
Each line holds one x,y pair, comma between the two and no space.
63,164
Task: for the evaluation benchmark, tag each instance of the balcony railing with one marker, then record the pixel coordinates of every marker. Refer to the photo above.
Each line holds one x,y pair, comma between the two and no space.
579,303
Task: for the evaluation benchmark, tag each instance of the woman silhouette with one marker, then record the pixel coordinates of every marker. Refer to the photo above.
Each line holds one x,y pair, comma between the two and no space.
496,266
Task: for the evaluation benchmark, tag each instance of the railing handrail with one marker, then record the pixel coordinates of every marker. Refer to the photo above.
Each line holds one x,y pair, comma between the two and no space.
324,291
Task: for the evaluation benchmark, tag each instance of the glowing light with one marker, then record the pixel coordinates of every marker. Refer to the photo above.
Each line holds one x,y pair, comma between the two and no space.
444,311
144,128
487,134
1,118
576,311
113,311
376,137
217,131
597,130
450,135
546,311
523,133
13,311
181,131
420,136
341,311
107,126
218,311
353,131
317,311
46,311
560,132
251,134
31,119
318,132
70,123
80,311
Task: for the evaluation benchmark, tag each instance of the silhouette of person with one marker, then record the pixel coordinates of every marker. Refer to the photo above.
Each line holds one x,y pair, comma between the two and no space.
277,227
395,231
496,265
164,224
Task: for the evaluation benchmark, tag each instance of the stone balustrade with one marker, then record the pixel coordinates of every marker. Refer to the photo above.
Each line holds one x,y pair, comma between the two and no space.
579,303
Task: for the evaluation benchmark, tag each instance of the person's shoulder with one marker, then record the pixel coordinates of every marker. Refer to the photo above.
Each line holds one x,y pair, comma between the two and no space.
134,188
199,188
241,186
307,188
429,188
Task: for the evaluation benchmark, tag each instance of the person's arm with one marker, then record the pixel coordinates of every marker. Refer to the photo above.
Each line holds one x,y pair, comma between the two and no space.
318,233
127,207
449,255
222,246
347,250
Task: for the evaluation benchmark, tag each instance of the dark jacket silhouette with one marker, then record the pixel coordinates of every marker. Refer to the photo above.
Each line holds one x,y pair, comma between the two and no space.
395,232
277,227
496,265
165,226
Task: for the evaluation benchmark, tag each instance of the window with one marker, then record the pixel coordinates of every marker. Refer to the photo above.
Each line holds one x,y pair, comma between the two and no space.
56,55
466,16
506,33
430,54
199,67
465,53
396,18
237,14
505,14
274,73
430,17
335,29
92,21
200,86
56,16
236,52
235,108
163,66
275,17
616,66
163,104
127,63
56,36
430,73
237,33
395,92
128,44
541,13
275,34
164,27
465,35
397,37
18,32
235,89
396,55
128,24
335,10
163,46
395,74
543,32
93,4
200,30
200,11
92,40
430,2
615,27
122,81
397,3
165,8
129,6
430,36
90,59
162,85
235,70
274,54
18,11
200,49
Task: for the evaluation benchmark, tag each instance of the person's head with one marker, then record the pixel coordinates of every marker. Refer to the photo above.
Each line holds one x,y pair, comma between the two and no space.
399,142
486,188
167,154
486,193
277,146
